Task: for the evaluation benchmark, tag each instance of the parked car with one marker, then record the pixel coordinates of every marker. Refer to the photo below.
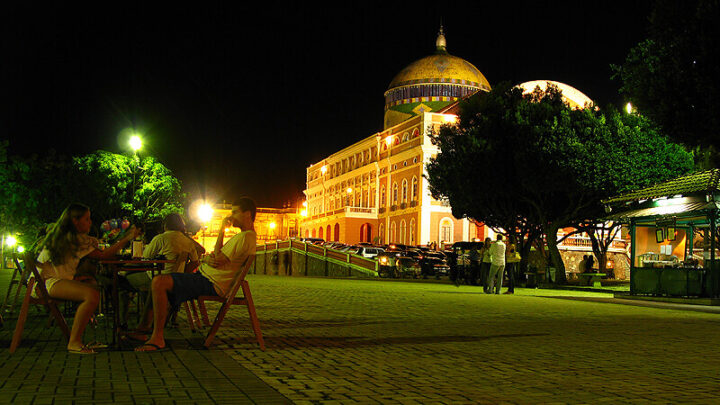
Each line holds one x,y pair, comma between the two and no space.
314,241
433,264
397,264
368,252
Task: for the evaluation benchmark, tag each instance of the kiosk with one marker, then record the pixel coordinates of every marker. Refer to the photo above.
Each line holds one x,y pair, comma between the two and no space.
674,235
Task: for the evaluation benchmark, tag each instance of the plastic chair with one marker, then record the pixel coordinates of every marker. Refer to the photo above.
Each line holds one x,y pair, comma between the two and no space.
35,281
230,299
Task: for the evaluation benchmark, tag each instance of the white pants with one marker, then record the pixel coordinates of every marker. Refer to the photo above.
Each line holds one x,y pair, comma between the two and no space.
495,277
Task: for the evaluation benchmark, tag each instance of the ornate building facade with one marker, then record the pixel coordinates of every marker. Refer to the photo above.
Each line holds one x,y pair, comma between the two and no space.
375,190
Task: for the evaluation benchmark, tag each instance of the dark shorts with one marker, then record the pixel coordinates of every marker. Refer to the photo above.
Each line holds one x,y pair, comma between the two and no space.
187,286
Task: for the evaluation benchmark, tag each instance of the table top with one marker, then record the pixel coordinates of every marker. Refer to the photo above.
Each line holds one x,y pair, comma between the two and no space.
136,261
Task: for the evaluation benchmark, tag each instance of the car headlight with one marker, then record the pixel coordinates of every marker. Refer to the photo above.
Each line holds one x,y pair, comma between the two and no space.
383,260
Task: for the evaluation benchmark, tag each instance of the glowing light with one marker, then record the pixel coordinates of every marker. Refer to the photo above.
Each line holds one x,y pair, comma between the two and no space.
205,212
323,170
272,225
389,140
20,249
304,204
135,142
10,241
349,190
303,213
629,108
449,119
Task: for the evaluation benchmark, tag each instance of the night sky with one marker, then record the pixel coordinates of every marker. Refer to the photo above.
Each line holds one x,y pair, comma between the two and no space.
239,100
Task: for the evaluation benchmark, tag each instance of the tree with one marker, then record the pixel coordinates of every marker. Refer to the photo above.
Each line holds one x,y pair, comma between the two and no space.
533,158
118,185
673,76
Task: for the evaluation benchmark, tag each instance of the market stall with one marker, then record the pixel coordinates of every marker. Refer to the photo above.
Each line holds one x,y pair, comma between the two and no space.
674,235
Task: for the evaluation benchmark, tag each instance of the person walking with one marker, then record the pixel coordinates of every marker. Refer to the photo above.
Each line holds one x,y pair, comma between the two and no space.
497,265
512,261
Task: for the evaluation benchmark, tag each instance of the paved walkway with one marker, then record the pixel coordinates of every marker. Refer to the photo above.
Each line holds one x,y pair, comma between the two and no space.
359,341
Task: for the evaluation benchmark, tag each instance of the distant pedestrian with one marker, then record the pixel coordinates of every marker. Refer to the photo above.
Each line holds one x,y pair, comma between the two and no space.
485,265
512,262
589,263
497,265
581,267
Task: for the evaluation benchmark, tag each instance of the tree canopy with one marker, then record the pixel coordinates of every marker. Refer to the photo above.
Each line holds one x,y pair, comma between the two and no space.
35,189
673,76
516,158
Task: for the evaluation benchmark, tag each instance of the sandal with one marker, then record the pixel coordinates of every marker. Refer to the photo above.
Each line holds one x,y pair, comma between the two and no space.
83,350
155,348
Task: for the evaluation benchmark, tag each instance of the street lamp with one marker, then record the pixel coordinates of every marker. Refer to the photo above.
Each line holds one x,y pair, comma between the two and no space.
629,108
136,143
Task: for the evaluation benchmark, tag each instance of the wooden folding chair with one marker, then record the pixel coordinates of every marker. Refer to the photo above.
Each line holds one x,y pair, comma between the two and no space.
230,299
35,281
181,266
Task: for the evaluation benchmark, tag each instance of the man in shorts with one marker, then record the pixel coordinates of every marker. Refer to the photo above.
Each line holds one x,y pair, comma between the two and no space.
213,277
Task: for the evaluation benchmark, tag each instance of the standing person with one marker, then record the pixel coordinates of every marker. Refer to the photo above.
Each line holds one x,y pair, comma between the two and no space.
497,265
485,265
213,277
512,261
589,263
66,242
475,259
170,244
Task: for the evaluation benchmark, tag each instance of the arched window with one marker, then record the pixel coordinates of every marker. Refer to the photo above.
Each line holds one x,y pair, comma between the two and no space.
395,193
320,232
381,233
337,232
446,230
404,194
412,232
313,232
403,231
382,196
405,137
415,133
329,235
393,232
414,189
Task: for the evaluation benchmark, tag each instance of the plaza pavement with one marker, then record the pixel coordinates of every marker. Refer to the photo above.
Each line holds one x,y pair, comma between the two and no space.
338,341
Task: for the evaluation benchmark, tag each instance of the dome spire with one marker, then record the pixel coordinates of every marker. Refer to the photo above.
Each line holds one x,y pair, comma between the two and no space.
440,43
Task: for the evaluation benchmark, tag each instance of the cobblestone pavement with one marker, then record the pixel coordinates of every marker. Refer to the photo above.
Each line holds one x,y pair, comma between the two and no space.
364,341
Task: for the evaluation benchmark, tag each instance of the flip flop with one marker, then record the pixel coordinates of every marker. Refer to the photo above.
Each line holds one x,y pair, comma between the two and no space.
83,350
156,348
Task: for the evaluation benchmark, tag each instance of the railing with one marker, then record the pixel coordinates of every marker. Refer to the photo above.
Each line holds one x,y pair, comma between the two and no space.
580,242
342,263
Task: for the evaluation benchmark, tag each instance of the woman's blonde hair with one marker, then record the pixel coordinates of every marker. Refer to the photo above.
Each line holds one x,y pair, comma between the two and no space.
62,236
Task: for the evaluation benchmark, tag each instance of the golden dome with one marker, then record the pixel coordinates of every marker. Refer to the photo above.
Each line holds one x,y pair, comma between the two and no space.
440,68
430,84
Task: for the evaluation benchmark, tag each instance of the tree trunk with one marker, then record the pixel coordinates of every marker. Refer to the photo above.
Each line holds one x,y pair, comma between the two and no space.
554,253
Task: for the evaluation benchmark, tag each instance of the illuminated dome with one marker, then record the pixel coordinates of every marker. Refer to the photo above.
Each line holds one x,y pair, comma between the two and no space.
574,97
430,84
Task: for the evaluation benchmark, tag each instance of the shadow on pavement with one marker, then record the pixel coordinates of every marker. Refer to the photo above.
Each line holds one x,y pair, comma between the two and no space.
297,342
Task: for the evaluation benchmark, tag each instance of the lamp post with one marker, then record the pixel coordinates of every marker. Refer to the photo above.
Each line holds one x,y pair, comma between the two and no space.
135,145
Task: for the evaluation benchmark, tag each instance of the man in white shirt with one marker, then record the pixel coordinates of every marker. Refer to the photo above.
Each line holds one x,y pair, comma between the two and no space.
497,265
169,244
213,277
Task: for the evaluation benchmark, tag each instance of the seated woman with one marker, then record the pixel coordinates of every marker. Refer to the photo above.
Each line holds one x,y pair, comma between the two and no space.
67,242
